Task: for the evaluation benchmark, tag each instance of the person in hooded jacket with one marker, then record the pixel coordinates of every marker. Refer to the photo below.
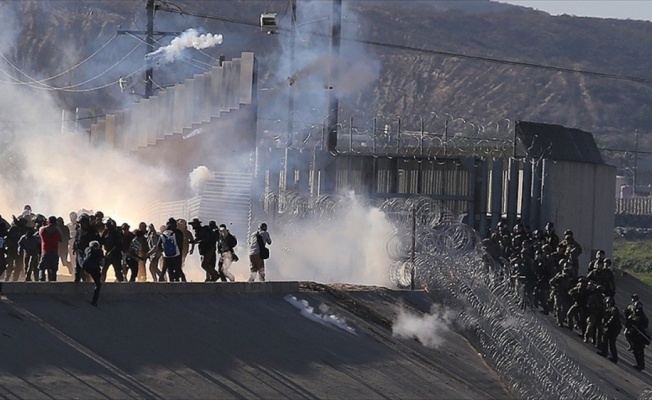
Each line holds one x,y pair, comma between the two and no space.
15,257
50,238
92,265
30,245
205,240
112,241
129,252
84,235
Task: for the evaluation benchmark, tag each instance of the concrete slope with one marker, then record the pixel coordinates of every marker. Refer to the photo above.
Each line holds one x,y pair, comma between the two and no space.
173,341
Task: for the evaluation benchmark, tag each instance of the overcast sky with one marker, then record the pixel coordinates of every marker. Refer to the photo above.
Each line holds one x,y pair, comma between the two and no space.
622,9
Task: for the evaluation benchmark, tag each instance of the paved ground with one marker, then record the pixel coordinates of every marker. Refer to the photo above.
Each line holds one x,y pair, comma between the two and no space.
226,345
174,341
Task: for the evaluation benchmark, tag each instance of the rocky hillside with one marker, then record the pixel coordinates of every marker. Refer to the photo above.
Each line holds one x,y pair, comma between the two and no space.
437,58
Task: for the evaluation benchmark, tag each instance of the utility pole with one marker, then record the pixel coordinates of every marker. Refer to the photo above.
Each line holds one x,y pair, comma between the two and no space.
293,26
149,42
333,103
328,180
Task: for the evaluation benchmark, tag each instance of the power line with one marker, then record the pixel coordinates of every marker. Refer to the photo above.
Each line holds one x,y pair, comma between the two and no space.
35,84
624,150
434,52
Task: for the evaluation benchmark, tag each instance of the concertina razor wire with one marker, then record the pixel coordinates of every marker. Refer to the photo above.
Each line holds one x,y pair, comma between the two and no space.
449,261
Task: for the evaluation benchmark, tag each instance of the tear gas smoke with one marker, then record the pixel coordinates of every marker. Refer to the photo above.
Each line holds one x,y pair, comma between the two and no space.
429,329
64,173
347,246
198,176
188,39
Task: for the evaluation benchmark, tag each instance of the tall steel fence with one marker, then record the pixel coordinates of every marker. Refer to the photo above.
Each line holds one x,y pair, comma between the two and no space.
634,206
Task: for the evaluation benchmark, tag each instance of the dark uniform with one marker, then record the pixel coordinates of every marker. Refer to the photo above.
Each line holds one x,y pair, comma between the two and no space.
595,310
612,328
573,251
544,272
578,312
560,285
637,323
550,237
595,262
604,277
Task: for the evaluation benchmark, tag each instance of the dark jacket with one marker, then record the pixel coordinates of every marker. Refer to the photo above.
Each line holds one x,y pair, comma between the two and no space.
83,238
92,259
612,320
112,241
226,243
206,240
30,244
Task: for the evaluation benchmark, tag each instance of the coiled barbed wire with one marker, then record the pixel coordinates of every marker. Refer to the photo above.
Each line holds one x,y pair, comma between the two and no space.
385,135
450,262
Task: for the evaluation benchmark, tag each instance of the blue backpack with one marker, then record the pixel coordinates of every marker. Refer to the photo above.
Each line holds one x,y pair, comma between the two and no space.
170,246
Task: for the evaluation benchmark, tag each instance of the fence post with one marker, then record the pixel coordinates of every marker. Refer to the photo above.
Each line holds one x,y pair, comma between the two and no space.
414,234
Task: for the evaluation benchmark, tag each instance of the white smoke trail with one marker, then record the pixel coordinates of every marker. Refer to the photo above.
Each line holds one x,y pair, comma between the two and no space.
429,329
189,38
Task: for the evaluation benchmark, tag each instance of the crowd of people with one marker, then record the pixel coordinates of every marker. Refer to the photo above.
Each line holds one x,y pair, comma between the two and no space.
32,247
544,272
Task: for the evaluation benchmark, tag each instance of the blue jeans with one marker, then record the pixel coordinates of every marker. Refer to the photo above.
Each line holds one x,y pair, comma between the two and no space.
48,265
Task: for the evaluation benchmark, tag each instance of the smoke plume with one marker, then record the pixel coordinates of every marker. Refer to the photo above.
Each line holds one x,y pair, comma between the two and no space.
188,39
429,329
348,246
198,176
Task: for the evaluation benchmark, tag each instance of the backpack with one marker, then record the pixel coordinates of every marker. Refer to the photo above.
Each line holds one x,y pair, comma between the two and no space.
231,241
264,251
170,247
134,246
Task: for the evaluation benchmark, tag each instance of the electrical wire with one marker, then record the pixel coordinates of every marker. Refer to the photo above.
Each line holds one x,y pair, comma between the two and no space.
35,84
81,62
65,88
440,52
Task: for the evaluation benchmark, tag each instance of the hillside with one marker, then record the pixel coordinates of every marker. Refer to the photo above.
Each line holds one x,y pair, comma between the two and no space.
414,74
